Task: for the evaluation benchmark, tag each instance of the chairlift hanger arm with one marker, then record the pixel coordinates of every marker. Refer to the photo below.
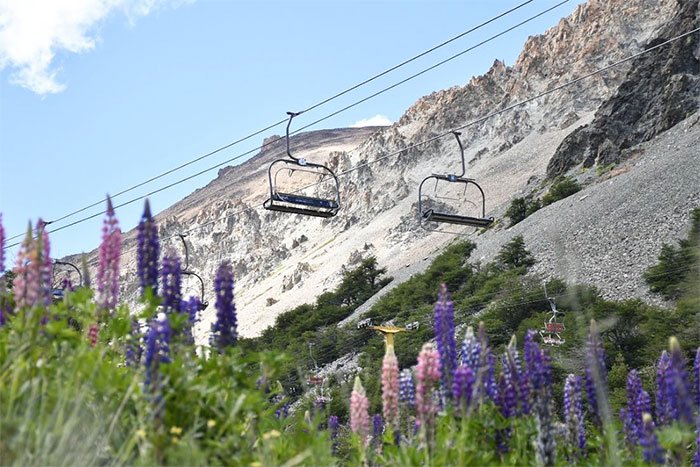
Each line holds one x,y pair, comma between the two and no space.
289,123
187,252
203,304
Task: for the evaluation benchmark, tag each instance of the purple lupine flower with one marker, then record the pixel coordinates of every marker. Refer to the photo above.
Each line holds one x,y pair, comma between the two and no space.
596,373
225,328
191,306
108,267
537,364
283,412
148,251
157,347
27,282
490,385
663,404
46,268
650,443
444,321
519,379
637,404
573,411
407,389
333,427
507,398
2,246
377,432
463,387
470,354
678,385
696,457
133,345
696,371
171,281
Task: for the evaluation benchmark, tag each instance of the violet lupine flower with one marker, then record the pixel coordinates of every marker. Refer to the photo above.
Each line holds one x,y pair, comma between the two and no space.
108,268
191,307
444,322
638,403
333,427
507,395
650,443
225,328
596,373
157,347
663,404
359,412
537,365
407,389
573,411
377,432
470,355
696,457
148,251
171,280
283,412
463,387
517,378
27,282
678,387
490,385
390,388
133,345
696,371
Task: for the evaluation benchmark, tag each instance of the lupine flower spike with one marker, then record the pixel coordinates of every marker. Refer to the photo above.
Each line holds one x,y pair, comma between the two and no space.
171,280
444,320
108,267
596,373
696,371
428,376
333,427
225,328
390,388
377,432
148,251
359,412
463,387
27,281
674,394
157,347
650,443
573,412
638,403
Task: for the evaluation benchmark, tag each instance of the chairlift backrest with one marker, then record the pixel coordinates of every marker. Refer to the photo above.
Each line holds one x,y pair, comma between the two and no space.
291,200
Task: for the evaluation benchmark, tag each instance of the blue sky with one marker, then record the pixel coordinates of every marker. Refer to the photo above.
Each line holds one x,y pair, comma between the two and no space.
98,95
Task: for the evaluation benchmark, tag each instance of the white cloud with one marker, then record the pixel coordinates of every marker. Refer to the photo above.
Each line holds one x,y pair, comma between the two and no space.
33,31
377,120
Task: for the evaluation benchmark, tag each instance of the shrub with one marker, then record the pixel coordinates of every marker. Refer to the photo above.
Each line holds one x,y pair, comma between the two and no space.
520,208
560,189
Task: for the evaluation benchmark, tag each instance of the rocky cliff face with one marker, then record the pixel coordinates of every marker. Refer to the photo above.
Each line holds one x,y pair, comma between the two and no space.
282,260
661,89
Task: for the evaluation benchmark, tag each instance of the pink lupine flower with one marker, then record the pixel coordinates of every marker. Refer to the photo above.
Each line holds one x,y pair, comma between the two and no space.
108,268
359,412
27,282
390,388
428,376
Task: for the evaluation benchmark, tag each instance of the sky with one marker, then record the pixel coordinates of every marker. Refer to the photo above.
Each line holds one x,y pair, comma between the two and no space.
99,95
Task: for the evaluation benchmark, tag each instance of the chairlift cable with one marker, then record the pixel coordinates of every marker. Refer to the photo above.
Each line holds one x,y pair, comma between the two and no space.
308,109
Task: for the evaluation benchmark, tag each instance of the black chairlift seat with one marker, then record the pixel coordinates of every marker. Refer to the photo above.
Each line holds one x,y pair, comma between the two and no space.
296,203
431,215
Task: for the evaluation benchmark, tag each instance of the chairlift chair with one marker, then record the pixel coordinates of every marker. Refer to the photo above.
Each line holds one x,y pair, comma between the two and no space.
551,334
293,201
431,214
57,293
203,304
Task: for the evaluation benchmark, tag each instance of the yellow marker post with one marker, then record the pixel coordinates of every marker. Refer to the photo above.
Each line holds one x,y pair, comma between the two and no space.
389,332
